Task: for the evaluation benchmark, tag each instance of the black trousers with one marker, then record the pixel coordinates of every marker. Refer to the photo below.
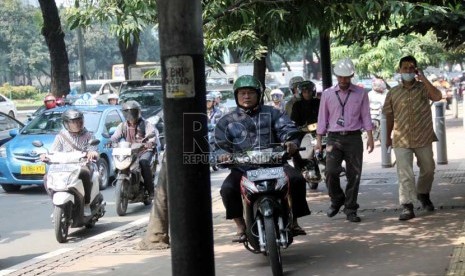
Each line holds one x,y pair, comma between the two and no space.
347,148
146,170
232,200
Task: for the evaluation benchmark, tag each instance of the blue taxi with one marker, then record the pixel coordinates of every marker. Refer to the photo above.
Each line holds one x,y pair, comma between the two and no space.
19,159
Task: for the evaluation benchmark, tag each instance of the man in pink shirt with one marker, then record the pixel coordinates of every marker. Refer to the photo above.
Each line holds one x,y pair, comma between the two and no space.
344,112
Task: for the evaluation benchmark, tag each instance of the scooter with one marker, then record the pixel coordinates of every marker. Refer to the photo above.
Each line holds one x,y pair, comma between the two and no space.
129,181
375,112
312,158
265,190
67,191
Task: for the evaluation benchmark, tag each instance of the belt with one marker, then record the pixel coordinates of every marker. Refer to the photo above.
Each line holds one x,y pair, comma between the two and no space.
345,133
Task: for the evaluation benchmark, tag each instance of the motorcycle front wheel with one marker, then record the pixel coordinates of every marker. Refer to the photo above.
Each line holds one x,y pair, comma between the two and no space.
272,248
121,196
61,222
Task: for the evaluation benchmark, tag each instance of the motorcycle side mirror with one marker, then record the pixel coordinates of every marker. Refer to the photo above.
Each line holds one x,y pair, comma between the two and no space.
37,143
94,142
106,135
112,130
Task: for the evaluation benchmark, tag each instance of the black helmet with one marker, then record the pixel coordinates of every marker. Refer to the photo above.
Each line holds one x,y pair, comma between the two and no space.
131,111
308,85
71,115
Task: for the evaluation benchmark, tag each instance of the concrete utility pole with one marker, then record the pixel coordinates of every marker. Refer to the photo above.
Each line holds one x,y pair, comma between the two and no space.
187,149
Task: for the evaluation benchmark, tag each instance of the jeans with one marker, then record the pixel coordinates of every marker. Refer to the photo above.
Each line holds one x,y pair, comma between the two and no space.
146,170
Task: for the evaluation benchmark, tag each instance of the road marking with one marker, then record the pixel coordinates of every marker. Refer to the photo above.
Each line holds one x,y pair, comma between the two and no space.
64,250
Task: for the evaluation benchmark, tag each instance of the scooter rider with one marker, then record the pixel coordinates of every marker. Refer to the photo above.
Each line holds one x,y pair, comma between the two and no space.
134,130
250,125
113,99
75,137
50,101
293,82
305,112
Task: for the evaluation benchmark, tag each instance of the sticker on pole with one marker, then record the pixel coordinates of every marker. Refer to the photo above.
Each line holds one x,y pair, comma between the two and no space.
180,77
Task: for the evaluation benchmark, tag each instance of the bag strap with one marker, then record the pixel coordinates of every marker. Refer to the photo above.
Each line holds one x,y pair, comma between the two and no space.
69,142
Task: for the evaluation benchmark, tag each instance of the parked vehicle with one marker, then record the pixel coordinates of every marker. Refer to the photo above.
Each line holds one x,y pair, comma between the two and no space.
67,191
129,181
265,190
311,158
7,106
7,124
18,157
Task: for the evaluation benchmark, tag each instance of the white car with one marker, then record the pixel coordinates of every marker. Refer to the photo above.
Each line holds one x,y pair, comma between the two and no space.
7,106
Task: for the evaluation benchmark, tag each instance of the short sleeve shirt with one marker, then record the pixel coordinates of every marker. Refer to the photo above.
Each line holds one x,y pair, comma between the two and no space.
409,109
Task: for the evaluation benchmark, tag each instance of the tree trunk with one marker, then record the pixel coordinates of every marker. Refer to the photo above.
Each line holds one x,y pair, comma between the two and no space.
259,69
129,54
54,37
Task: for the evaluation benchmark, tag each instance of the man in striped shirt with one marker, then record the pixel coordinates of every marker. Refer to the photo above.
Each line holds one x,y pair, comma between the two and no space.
408,112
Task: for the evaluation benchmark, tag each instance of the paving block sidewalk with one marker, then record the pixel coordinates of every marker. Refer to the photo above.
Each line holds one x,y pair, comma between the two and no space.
431,244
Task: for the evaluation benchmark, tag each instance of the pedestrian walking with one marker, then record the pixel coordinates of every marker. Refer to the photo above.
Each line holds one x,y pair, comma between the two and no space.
344,112
408,113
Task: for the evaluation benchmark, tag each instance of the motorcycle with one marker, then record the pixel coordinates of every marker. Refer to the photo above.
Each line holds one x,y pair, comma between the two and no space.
67,191
129,181
375,112
265,190
211,142
312,158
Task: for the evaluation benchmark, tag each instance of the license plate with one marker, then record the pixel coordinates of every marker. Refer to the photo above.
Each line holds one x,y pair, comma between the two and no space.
265,173
33,169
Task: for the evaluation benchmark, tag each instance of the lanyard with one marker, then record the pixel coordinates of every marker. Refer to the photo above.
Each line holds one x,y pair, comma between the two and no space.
340,102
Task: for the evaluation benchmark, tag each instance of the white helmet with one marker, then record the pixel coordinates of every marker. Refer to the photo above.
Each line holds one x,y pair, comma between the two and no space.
113,96
276,91
294,81
344,68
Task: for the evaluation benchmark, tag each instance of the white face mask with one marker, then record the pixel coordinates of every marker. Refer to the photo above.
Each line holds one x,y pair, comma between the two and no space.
408,76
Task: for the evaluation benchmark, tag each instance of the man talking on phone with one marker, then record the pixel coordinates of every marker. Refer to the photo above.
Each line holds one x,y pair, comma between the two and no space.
408,113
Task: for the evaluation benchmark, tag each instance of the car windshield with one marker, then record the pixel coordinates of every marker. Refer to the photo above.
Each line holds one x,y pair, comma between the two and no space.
145,97
50,122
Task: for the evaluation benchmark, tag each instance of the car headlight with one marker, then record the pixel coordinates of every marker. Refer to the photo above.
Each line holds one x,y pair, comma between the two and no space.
154,120
3,151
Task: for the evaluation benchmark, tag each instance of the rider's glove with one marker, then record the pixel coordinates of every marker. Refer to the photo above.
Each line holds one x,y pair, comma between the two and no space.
291,148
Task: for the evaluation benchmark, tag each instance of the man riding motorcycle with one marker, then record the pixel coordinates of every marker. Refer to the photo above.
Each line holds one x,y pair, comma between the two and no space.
305,112
75,137
50,101
251,125
134,130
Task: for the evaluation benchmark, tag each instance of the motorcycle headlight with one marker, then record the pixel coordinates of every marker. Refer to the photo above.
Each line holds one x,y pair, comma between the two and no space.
2,151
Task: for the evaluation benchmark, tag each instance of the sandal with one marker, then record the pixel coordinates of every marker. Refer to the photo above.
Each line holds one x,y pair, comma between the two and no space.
240,238
296,230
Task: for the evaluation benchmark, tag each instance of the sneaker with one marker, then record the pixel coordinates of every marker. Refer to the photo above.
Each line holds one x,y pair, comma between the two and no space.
407,212
332,211
352,217
87,210
426,202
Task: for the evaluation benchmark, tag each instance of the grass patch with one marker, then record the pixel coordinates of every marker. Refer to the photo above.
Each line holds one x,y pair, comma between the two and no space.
28,103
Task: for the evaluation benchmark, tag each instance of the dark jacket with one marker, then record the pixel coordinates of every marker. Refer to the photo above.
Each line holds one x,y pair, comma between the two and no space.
305,112
238,130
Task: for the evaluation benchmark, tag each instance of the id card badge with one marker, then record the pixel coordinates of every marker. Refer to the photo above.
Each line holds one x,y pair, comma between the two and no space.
340,122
